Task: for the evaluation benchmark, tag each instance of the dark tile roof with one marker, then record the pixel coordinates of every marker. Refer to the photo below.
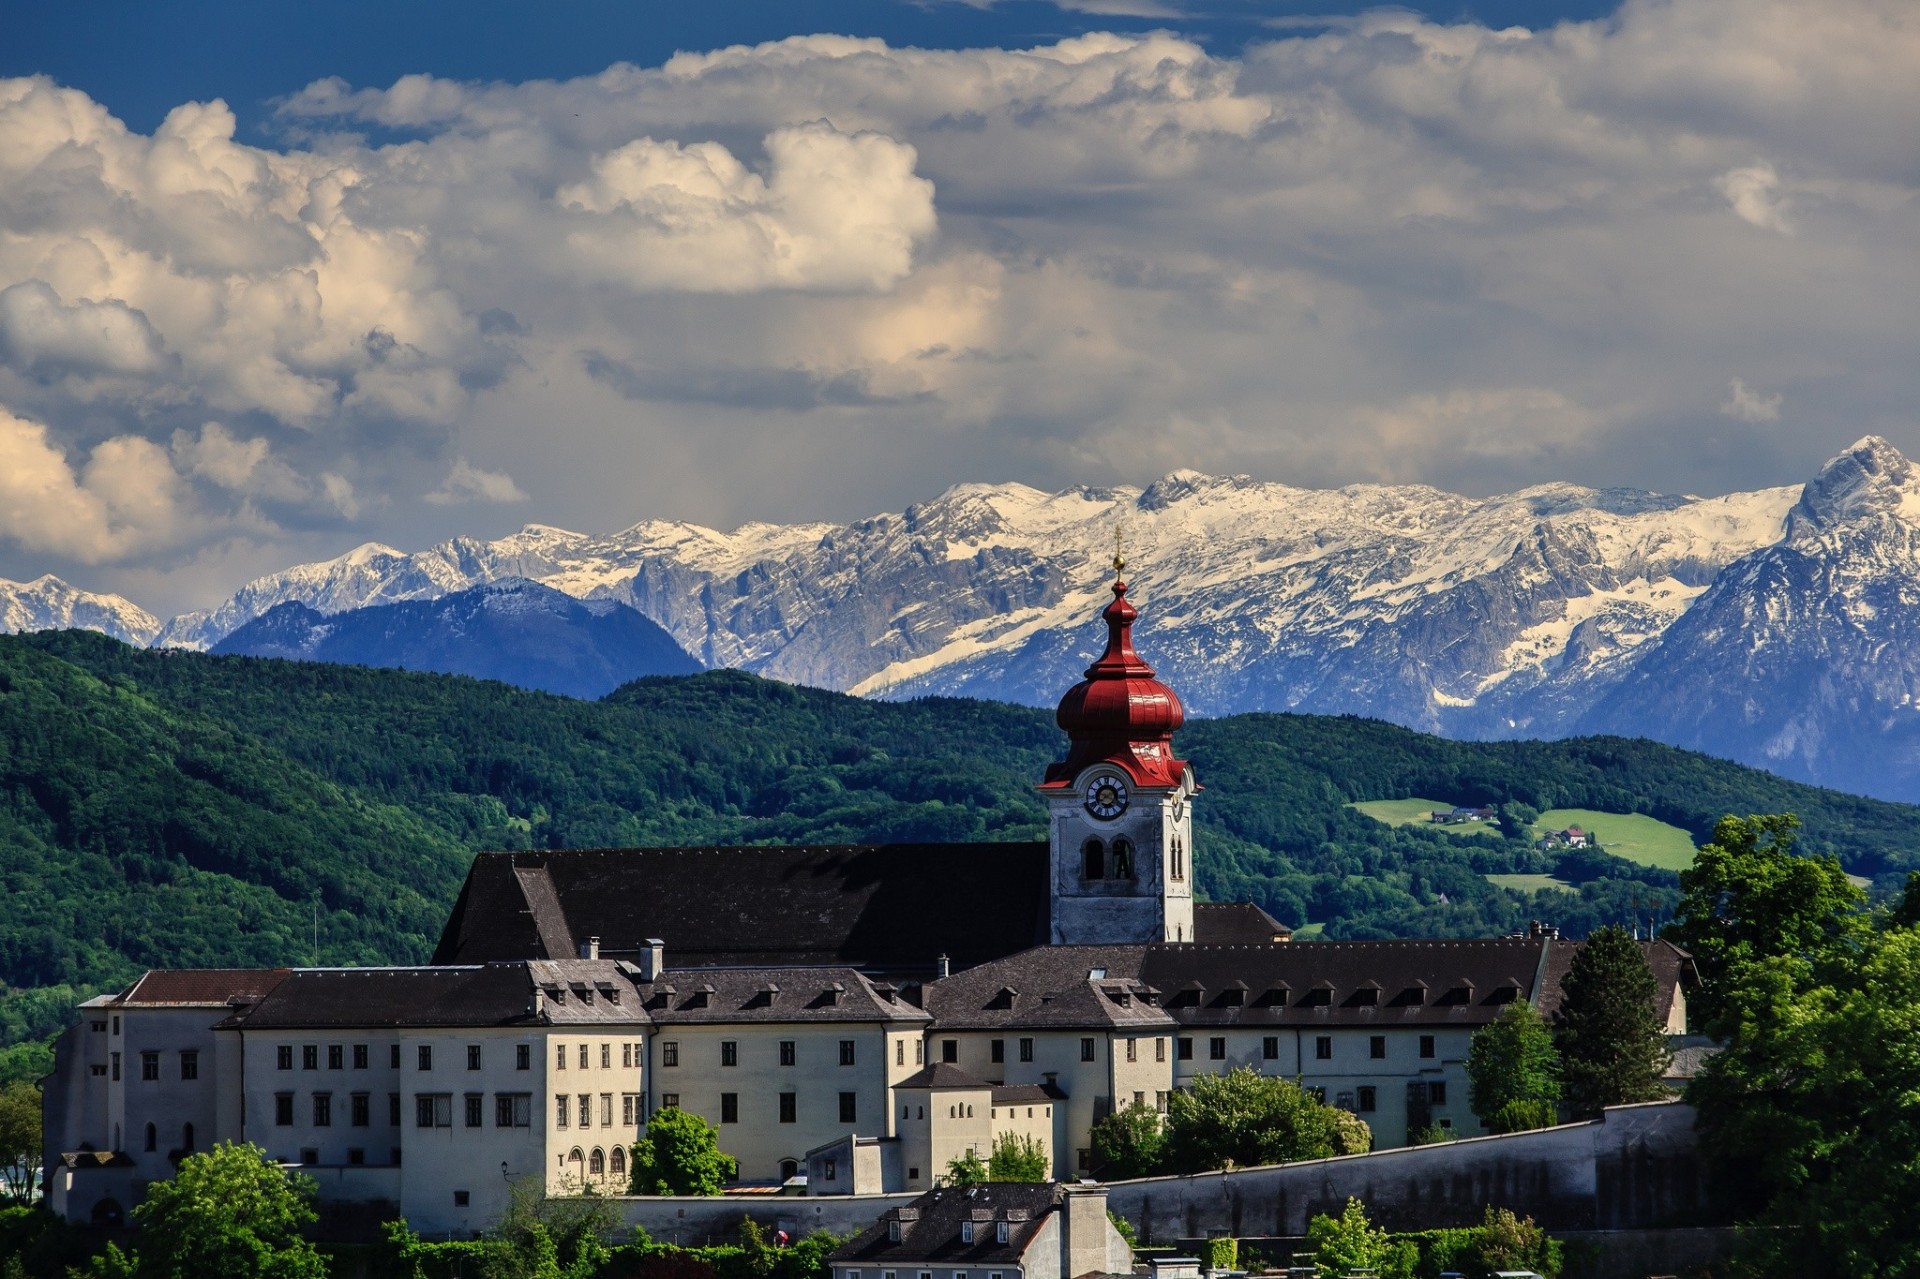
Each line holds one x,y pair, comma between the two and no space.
1048,987
1235,923
941,1075
891,907
1022,1094
201,987
930,1227
729,996
486,995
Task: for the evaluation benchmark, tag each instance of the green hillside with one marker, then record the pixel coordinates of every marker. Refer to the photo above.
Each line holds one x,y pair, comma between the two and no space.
175,808
1636,837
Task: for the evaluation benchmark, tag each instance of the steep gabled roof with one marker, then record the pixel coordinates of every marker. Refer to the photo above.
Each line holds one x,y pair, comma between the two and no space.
482,995
893,907
736,996
1047,988
930,1227
199,987
1236,923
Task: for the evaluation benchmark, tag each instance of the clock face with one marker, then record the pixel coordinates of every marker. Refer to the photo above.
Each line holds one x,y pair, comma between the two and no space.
1106,797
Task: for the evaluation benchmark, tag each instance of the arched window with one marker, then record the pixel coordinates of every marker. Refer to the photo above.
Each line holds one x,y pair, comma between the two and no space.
186,1139
153,1138
789,1169
619,1161
1093,860
1179,859
597,1162
969,1112
1123,858
576,1155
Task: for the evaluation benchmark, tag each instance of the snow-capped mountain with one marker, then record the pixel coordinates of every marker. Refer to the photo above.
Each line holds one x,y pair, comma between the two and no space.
49,604
1773,627
512,630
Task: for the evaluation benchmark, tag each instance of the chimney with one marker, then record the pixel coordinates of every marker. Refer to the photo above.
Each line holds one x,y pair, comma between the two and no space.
653,959
537,1003
1083,1233
943,967
590,948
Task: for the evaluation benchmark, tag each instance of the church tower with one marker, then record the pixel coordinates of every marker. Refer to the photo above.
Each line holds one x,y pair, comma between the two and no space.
1120,825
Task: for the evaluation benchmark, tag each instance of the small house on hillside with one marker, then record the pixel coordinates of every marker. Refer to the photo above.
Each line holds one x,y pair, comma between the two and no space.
1571,837
1457,816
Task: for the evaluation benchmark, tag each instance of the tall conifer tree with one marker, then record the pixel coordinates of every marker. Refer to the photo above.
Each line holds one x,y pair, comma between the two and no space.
1612,1050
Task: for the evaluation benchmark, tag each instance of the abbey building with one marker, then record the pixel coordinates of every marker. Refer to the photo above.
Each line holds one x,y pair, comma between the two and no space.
857,1016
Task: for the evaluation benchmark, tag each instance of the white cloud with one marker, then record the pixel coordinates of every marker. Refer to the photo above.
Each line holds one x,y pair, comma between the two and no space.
42,335
246,467
468,483
1745,404
126,494
1754,195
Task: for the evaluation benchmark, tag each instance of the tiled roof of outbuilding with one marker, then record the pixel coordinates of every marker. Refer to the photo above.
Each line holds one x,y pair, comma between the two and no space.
887,906
200,987
728,996
930,1227
942,1075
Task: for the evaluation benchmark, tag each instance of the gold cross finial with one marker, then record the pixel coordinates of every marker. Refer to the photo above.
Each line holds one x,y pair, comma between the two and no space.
1119,559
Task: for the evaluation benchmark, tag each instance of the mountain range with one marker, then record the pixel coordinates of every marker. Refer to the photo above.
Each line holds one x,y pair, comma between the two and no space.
1774,627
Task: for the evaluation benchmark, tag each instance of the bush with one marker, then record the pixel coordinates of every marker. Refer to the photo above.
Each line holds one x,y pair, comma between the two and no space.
1523,1116
1431,1135
1128,1143
1244,1119
1222,1254
679,1154
1351,1134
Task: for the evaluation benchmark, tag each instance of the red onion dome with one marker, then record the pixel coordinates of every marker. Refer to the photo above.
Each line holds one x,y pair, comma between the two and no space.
1120,713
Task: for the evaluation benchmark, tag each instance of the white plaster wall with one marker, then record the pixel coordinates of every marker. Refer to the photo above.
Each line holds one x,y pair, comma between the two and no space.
1152,906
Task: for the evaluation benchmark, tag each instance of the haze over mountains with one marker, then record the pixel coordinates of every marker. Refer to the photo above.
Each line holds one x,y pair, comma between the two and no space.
1775,627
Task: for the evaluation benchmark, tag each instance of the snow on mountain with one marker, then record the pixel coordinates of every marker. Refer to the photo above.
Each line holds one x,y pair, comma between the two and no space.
49,604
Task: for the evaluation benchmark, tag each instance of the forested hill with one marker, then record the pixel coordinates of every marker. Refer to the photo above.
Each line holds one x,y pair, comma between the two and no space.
162,807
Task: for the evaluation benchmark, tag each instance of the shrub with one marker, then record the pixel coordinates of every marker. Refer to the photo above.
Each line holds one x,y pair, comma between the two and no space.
1222,1254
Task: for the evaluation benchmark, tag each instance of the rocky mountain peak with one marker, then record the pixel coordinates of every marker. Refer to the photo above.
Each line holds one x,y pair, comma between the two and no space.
1872,478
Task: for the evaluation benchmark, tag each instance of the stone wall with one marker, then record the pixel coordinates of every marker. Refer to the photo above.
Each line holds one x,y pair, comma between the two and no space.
692,1222
1636,1167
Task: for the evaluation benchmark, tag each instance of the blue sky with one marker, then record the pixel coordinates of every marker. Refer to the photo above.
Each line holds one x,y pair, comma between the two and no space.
279,279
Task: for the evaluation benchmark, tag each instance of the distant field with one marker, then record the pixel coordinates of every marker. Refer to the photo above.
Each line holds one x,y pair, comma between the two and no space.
1414,812
1308,932
1530,883
1633,836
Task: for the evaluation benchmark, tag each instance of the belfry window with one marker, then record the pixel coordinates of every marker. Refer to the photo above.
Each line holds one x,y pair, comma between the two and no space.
1123,858
1178,861
1093,860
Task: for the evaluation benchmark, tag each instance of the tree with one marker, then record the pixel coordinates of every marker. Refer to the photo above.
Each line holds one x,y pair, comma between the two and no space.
1128,1143
228,1213
1508,1242
1016,1158
19,1140
966,1170
1612,1050
1244,1118
1513,1071
1349,1243
1516,820
1748,899
1351,1134
680,1154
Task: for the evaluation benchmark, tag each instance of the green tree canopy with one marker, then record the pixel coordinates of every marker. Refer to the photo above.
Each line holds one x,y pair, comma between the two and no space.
1348,1243
19,1140
1128,1143
1748,898
1017,1158
967,1170
229,1213
679,1154
1244,1118
1612,1050
1513,1070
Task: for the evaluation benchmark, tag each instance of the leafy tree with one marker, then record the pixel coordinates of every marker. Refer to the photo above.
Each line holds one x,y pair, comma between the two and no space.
1612,1050
1244,1118
1351,1134
1125,1227
1749,898
1513,1071
1348,1243
1016,1158
19,1140
679,1154
1516,820
1128,1143
228,1213
1508,1242
966,1170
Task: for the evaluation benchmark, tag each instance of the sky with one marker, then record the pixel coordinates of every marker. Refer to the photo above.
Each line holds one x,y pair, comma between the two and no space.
276,280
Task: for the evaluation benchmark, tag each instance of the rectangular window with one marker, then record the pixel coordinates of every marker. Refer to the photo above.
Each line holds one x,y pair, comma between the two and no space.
512,1110
356,1157
116,1067
359,1056
949,1050
586,1109
149,1065
283,1056
561,1111
1377,1047
626,1108
1026,1050
359,1111
788,1055
473,1056
789,1105
606,1110
462,1198
1426,1045
559,1056
426,1056
1323,1048
1437,1092
474,1109
393,1055
1217,1048
523,1056
1184,1048
919,1052
729,1107
1160,1102
310,1056
1369,1099
966,1234
189,1064
669,1053
729,1052
997,1050
1160,1049
1085,1160
283,1109
626,1055
1086,1050
433,1110
583,1056
606,1056
393,1110
1270,1048
323,1110
848,1108
669,1101
309,1156
899,1053
336,1056
846,1052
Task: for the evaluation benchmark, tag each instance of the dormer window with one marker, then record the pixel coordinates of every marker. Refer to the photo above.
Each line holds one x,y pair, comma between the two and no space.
1321,996
966,1232
1000,1232
893,1231
1367,995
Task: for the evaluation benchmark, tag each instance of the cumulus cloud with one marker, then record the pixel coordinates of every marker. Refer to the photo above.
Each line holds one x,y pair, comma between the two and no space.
822,276
126,493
